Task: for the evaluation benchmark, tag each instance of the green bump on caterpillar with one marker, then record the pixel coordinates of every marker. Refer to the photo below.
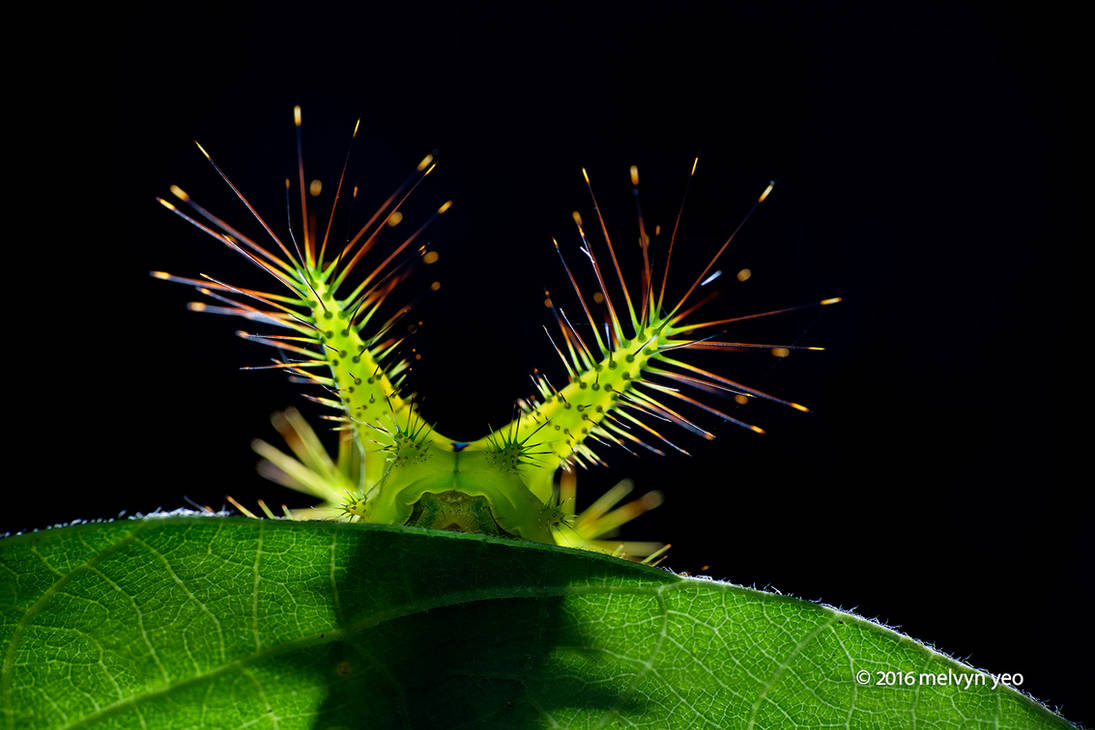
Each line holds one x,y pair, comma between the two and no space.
394,468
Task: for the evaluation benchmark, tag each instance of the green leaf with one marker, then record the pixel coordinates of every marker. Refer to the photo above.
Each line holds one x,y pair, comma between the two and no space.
195,622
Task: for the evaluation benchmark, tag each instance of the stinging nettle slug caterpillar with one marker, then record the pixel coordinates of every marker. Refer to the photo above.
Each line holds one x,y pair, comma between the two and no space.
627,375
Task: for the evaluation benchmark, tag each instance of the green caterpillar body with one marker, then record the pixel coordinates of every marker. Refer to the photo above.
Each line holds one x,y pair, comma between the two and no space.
392,467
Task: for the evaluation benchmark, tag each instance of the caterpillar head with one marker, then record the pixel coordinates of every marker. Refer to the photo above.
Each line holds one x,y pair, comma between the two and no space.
627,376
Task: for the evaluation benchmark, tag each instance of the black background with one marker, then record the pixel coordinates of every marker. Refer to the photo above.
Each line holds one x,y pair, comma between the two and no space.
925,163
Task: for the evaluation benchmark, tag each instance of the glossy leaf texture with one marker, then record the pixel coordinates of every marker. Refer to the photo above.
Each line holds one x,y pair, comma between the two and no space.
215,622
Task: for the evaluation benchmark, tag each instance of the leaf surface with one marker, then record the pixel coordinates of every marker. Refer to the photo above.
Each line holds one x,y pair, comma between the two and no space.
212,622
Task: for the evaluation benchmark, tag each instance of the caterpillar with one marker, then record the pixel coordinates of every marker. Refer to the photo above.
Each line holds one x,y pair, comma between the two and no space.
627,374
